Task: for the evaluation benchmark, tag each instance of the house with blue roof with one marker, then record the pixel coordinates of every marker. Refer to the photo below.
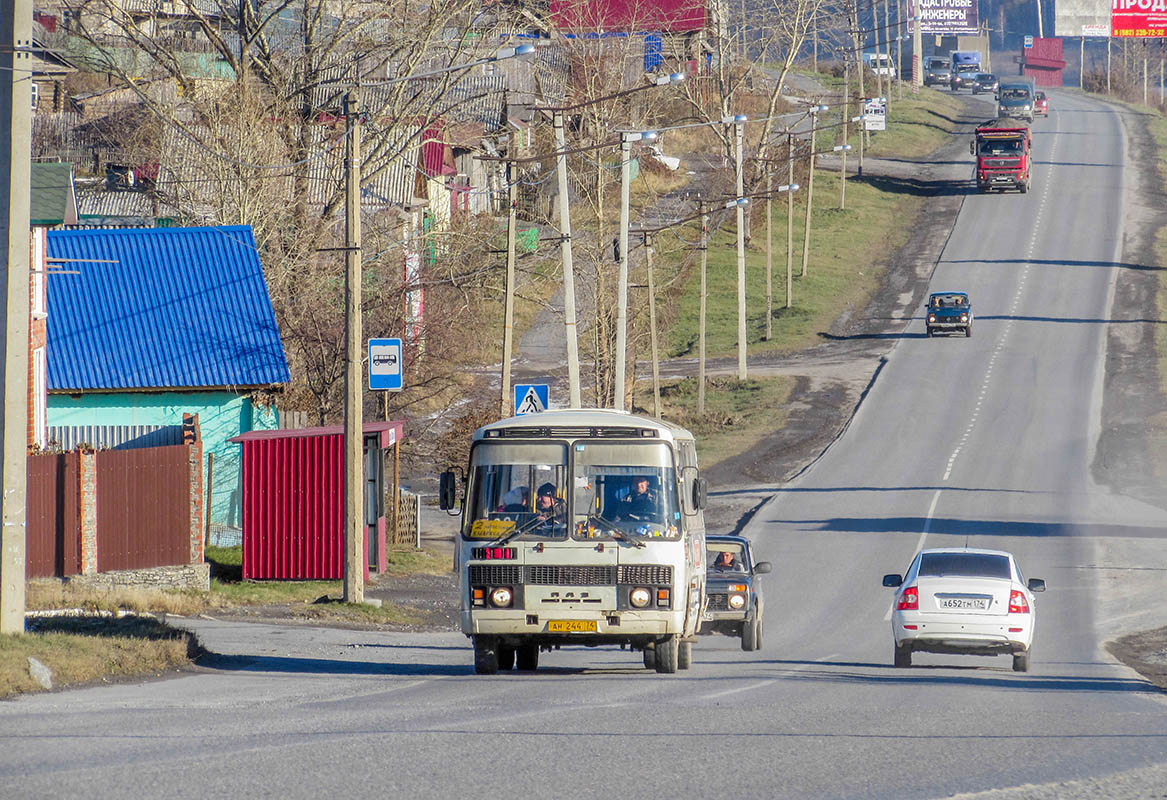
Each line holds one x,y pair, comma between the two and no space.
151,323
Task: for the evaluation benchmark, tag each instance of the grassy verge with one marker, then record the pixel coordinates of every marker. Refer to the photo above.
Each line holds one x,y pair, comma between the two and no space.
847,248
83,649
737,413
1158,127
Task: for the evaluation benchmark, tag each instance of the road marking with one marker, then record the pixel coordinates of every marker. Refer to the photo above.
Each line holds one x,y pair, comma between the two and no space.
920,541
1008,330
748,688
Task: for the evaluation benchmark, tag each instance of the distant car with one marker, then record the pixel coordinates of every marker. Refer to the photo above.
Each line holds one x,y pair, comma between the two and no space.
984,82
962,76
964,601
1041,104
949,312
937,71
734,604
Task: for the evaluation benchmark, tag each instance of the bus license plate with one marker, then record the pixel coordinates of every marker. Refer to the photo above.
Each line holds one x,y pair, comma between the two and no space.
572,626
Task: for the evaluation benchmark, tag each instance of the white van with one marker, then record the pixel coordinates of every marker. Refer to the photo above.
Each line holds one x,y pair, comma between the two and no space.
880,64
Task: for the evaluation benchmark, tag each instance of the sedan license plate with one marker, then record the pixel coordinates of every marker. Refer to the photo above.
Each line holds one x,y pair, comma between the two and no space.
572,626
965,603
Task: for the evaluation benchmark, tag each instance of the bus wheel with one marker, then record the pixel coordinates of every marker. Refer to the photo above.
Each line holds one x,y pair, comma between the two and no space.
684,655
666,655
528,657
649,657
485,655
506,657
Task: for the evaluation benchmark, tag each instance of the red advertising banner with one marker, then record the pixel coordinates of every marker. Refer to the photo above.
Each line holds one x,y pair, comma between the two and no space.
1138,18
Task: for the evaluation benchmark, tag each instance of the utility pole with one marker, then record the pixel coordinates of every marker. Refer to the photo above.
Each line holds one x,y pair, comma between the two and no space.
789,219
569,322
899,50
809,195
621,353
505,401
769,252
701,313
739,134
652,327
917,45
16,121
355,557
846,120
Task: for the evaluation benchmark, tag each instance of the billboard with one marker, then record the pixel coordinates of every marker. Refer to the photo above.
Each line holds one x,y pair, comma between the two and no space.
1125,18
1082,18
1138,18
946,17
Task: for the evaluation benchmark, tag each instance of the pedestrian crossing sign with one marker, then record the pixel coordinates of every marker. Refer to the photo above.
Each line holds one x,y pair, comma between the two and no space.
531,398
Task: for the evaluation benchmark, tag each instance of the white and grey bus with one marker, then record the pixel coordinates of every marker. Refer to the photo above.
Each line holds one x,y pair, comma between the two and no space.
580,527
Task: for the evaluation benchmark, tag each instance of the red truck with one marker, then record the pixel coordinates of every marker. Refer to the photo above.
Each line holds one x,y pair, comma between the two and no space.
1003,156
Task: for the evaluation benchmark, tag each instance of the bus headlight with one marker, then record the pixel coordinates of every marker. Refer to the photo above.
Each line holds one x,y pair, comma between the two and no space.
639,597
501,597
737,601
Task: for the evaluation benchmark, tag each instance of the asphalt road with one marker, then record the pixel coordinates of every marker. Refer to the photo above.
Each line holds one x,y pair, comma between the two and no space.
987,440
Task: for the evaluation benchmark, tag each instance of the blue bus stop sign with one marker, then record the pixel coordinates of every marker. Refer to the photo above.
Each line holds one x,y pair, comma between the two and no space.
385,365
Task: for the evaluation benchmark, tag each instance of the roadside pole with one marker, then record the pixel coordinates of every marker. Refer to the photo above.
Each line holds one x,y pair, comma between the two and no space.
846,120
739,133
789,219
354,481
16,121
917,45
769,252
701,313
505,401
652,327
809,196
899,50
569,321
621,354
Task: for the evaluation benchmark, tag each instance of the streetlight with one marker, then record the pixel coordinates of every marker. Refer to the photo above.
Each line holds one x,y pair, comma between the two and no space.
354,480
739,125
814,111
702,214
626,140
569,313
844,149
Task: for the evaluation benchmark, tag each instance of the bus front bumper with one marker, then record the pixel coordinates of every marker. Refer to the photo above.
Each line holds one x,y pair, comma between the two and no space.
565,627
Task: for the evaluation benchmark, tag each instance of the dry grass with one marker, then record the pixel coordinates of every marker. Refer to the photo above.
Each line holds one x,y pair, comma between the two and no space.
81,650
737,413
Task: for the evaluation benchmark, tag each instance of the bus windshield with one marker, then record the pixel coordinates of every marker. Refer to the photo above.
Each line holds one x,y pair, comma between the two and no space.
517,490
624,491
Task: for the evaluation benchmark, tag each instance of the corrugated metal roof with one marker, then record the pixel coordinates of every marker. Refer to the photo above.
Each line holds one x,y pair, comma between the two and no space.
390,431
179,308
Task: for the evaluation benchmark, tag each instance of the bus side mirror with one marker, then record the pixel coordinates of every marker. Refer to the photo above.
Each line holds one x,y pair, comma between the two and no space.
972,148
700,493
447,490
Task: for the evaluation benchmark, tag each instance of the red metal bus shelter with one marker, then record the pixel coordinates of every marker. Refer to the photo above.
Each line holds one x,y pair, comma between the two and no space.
293,501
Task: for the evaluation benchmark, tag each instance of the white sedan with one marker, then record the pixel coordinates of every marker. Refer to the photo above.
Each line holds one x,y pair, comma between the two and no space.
965,601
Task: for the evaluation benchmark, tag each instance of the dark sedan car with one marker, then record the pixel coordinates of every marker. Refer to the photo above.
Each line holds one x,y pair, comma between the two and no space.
735,604
984,82
949,312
